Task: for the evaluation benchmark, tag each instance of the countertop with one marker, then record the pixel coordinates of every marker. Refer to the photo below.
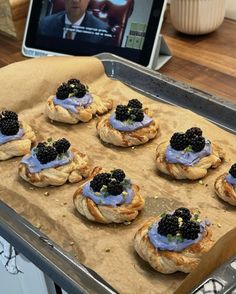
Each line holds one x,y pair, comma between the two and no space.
206,62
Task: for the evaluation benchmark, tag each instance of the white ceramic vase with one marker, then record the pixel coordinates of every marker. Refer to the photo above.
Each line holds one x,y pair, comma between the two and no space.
197,17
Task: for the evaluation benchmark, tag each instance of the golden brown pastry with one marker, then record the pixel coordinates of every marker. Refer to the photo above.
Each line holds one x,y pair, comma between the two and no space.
109,198
225,186
49,164
73,103
128,126
188,163
167,260
16,137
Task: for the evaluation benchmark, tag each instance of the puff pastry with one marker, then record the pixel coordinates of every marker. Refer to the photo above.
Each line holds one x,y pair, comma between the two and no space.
168,262
126,139
180,171
18,147
84,114
225,190
73,172
108,214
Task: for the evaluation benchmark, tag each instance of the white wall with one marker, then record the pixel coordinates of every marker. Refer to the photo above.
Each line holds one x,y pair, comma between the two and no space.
231,9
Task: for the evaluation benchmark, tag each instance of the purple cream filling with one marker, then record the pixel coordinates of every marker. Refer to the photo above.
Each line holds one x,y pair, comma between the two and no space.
35,166
188,157
72,102
108,200
126,126
5,139
231,180
161,242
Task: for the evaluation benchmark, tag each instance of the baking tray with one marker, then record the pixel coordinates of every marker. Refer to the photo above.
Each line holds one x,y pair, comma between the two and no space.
66,271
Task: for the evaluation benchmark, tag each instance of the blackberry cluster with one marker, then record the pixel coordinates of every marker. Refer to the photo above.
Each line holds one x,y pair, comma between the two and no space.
112,181
122,112
232,170
197,143
135,103
168,225
46,154
184,213
136,114
133,111
99,180
191,138
48,151
9,124
191,133
71,87
118,174
61,145
190,230
179,141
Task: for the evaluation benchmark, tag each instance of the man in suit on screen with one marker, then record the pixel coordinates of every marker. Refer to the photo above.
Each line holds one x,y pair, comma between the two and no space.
75,23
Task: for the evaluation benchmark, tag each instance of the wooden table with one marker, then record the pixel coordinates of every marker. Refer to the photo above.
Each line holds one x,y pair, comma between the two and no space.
206,62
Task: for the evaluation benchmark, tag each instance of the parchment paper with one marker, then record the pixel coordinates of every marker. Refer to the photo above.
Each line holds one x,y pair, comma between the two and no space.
107,249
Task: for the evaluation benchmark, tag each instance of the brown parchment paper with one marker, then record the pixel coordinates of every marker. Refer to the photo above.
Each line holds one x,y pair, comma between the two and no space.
107,249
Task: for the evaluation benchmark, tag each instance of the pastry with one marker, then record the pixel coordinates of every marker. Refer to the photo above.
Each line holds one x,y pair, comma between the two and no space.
109,198
225,186
16,137
53,163
174,242
129,125
188,155
73,103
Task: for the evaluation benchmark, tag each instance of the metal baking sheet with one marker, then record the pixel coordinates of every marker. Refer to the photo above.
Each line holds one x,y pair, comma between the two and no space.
62,267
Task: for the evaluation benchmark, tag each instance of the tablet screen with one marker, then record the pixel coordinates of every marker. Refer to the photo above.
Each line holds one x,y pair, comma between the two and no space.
87,27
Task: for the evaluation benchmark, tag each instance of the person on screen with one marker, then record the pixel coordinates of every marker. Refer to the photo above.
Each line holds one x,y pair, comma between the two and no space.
74,23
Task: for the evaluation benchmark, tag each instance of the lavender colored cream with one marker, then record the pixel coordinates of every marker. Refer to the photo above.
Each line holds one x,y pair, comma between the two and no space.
5,139
72,102
231,180
110,200
34,165
187,158
161,242
125,126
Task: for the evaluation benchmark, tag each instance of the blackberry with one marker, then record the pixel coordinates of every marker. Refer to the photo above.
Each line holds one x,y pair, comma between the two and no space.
168,225
184,213
179,141
9,114
135,103
63,91
198,143
99,180
191,133
80,90
73,82
41,145
232,170
190,230
9,127
118,174
136,114
61,145
46,154
122,112
114,188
